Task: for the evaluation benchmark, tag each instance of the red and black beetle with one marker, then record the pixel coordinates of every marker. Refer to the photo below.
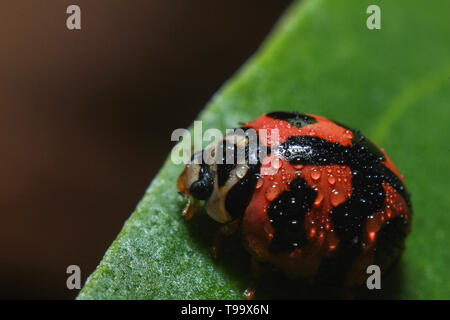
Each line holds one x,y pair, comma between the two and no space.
335,205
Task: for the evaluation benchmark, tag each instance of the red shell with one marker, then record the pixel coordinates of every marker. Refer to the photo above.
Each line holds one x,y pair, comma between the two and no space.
333,184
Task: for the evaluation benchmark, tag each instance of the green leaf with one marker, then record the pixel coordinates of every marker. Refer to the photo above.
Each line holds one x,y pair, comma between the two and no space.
391,83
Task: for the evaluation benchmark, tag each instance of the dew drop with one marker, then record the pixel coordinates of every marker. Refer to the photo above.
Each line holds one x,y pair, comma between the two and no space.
241,171
260,183
276,164
318,200
348,134
336,198
331,180
272,192
315,175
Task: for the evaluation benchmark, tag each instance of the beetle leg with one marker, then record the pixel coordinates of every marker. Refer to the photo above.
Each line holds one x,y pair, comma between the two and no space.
249,293
191,207
226,230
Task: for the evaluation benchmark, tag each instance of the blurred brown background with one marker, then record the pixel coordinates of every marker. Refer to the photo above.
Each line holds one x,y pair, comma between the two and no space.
86,118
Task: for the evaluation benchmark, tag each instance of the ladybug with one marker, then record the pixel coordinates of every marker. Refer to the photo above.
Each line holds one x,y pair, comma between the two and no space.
334,204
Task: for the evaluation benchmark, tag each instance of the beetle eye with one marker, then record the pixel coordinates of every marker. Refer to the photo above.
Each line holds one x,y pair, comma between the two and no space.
201,190
203,187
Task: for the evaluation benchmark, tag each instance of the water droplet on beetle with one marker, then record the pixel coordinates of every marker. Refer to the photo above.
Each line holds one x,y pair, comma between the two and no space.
272,192
336,198
241,171
259,183
318,200
315,175
277,164
348,134
331,180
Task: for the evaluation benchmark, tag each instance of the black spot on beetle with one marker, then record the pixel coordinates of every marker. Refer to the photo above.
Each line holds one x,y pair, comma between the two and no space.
296,119
390,240
287,214
362,140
